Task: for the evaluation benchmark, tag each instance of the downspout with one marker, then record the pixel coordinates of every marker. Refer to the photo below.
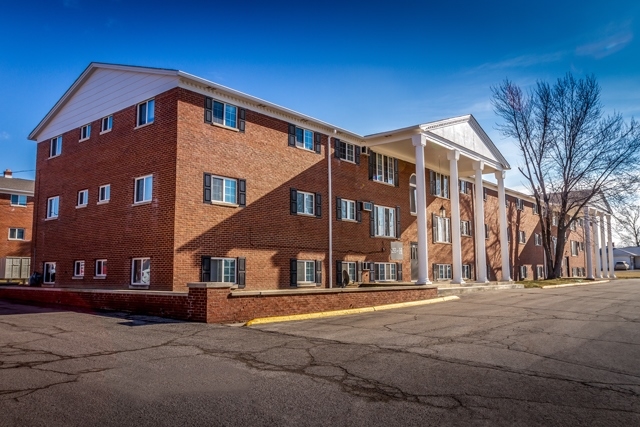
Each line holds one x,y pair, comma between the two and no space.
330,213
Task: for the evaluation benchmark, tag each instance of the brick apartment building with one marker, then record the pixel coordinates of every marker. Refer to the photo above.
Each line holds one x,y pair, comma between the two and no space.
16,217
152,178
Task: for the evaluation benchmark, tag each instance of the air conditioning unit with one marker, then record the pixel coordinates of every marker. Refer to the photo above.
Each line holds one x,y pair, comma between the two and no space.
366,206
364,150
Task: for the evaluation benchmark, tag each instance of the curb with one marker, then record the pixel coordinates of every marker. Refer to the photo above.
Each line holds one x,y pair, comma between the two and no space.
574,284
322,314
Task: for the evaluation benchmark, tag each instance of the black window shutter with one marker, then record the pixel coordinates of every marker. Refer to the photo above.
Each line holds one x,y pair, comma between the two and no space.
357,154
398,231
206,269
208,110
319,206
318,139
339,273
337,148
294,201
242,192
241,122
338,209
395,173
399,271
293,269
372,160
242,271
359,211
372,221
359,270
372,272
318,272
292,136
207,188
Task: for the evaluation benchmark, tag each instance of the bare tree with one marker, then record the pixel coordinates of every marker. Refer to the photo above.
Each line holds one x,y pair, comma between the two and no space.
573,154
628,221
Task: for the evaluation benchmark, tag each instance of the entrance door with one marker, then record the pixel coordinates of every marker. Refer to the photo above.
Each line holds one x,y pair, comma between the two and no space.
566,264
414,261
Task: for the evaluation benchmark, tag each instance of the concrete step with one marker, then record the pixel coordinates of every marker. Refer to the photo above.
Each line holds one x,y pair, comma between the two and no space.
448,289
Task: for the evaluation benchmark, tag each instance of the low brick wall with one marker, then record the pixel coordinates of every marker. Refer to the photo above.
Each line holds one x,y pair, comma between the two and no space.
216,303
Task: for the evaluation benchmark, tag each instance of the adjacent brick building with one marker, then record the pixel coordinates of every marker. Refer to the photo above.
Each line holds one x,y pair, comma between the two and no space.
16,217
151,179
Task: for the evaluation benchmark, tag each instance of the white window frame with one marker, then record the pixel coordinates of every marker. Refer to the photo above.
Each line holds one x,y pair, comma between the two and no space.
465,187
349,152
466,271
537,239
55,146
47,275
386,271
539,272
106,189
439,184
413,195
385,221
348,209
304,197
306,143
106,124
309,273
523,272
522,236
442,272
149,116
16,234
144,189
348,266
575,248
83,198
53,207
535,209
101,268
141,281
224,192
465,228
19,198
519,204
554,219
572,226
226,118
85,132
78,268
382,174
442,229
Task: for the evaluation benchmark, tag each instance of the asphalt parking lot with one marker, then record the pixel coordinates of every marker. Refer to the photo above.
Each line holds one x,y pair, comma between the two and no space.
567,356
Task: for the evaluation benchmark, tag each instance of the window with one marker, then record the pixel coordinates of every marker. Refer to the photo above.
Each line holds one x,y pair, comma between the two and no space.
539,272
441,229
347,210
143,189
52,207
442,271
384,168
554,219
575,247
56,146
522,236
16,234
465,228
385,221
104,194
347,272
304,138
385,271
466,271
49,272
537,239
582,246
18,200
486,231
412,194
572,226
85,132
107,124
101,268
306,272
465,187
484,194
506,201
346,151
223,189
146,112
78,269
439,184
523,272
520,204
141,270
225,114
306,202
83,197
536,211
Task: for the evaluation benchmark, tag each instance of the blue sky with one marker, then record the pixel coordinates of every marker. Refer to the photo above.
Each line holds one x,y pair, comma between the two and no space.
365,66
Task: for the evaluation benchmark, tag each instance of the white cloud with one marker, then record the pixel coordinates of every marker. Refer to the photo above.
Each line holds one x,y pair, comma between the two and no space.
607,46
521,61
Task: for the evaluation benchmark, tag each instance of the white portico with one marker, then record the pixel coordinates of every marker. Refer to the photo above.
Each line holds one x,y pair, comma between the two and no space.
460,148
598,222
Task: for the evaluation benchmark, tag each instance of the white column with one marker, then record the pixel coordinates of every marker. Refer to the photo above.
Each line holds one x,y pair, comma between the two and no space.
454,192
588,247
612,274
502,212
420,141
603,247
596,226
481,256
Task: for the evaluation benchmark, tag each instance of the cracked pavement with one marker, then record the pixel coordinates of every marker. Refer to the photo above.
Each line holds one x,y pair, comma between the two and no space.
566,356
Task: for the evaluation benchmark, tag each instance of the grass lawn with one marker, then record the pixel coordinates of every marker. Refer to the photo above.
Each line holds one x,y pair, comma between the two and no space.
541,283
628,274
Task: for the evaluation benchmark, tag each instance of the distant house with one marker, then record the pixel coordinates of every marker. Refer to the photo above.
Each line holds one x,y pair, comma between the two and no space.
16,219
629,254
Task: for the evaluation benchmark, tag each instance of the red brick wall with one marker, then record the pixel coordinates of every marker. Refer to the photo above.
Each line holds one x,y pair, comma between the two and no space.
15,217
116,231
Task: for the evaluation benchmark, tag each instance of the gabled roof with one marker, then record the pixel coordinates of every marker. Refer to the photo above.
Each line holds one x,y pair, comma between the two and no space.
16,186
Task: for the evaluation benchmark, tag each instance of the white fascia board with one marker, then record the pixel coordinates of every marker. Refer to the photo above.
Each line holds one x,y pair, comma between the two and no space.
19,192
446,143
